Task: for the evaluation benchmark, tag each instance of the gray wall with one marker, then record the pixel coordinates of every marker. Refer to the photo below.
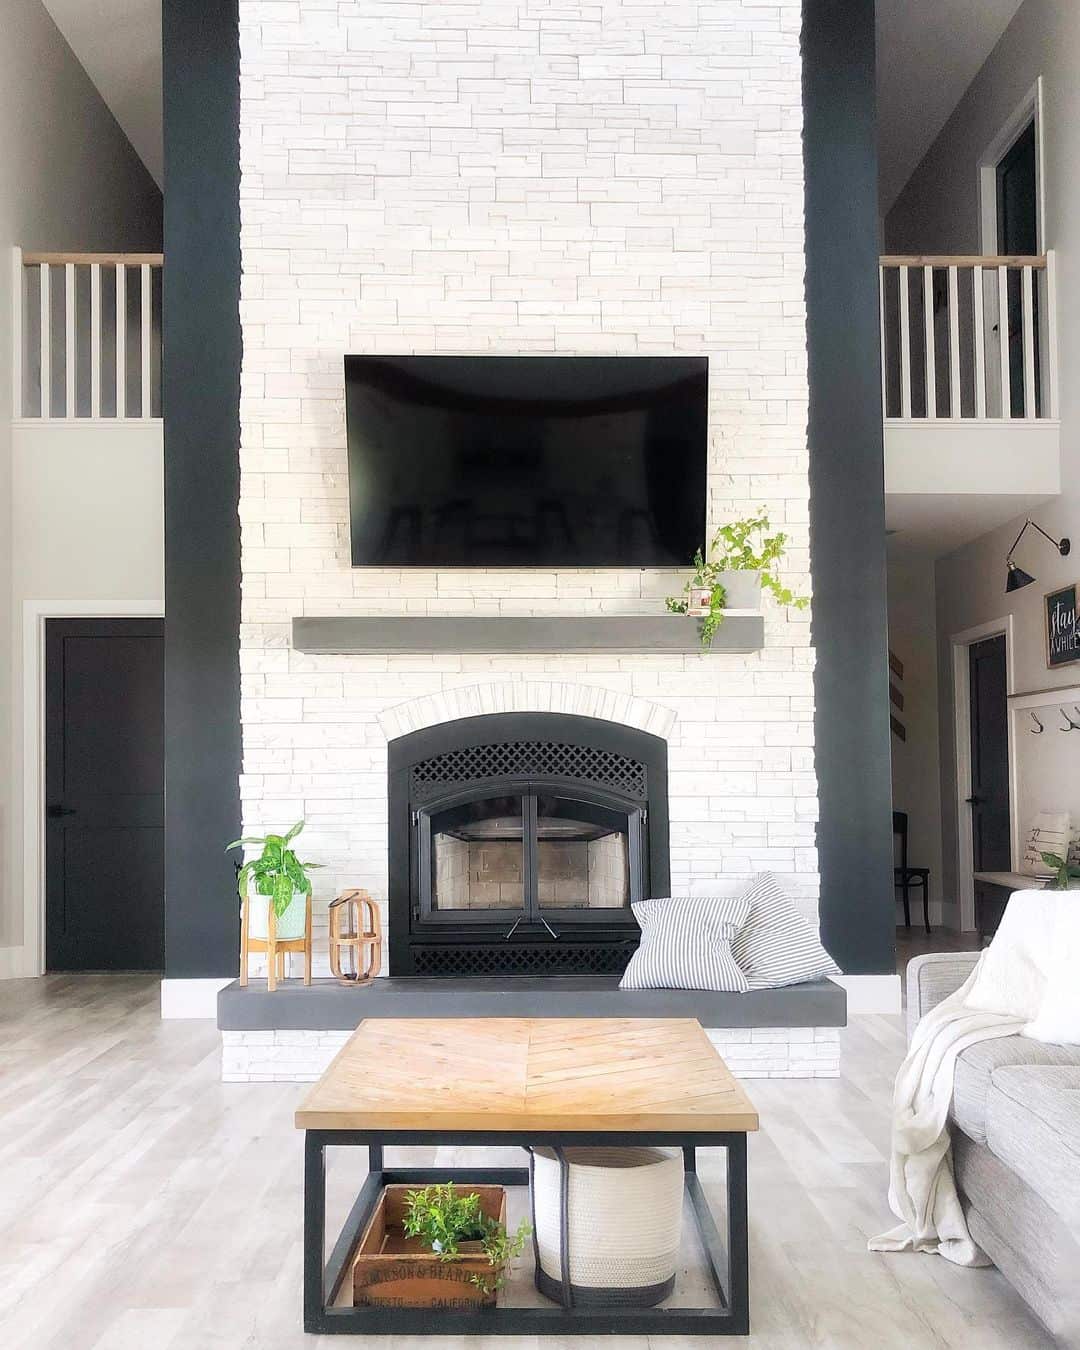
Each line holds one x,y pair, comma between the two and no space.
912,638
938,212
69,180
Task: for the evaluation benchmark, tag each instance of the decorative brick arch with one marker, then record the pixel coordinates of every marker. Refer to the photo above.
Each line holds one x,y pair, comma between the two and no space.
581,700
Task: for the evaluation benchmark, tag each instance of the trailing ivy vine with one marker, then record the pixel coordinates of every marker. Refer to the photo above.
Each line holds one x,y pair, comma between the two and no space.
741,546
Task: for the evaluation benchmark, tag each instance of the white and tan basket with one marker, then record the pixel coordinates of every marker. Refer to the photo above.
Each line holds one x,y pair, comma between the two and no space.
607,1224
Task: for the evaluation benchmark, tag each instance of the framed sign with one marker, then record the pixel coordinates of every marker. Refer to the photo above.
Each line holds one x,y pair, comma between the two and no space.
1062,628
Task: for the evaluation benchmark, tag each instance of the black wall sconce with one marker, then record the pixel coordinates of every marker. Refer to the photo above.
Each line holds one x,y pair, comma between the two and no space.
1017,578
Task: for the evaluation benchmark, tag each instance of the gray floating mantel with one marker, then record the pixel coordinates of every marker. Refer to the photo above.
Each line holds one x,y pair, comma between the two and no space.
395,635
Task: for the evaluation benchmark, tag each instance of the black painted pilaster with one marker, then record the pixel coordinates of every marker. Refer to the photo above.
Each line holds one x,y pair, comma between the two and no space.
847,490
201,329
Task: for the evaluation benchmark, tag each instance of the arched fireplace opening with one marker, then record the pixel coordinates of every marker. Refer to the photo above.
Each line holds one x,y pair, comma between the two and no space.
519,841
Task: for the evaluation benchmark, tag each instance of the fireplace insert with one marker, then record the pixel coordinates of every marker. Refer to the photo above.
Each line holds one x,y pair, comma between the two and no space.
519,841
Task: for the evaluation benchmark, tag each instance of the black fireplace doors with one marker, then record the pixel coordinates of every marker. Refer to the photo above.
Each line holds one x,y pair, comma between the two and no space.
518,843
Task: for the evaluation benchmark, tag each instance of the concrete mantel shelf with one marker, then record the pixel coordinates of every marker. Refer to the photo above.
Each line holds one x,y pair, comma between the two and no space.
741,631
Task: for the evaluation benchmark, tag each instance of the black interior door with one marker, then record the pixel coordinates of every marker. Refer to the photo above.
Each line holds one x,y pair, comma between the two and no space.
990,832
104,794
1018,236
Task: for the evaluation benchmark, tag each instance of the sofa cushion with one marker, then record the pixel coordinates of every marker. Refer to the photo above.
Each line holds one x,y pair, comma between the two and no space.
976,1065
1023,1237
1033,1126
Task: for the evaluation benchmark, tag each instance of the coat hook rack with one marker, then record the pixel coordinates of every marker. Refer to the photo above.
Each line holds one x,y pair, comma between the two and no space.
1038,728
1070,725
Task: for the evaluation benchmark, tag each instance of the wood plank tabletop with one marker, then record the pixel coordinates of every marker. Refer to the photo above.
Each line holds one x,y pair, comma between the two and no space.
494,1073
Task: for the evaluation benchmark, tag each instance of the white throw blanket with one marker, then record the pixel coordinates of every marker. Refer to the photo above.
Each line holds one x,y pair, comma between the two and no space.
1001,996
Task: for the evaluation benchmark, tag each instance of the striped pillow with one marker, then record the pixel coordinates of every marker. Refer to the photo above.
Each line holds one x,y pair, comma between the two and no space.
686,944
776,945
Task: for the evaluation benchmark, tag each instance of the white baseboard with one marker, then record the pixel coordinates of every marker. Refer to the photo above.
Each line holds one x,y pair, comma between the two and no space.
191,998
16,963
871,993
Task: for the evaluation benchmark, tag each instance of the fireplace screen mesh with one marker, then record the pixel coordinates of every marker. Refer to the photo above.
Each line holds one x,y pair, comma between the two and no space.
529,759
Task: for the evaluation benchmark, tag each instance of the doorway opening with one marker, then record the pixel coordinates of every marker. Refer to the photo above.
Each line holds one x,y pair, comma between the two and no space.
982,682
104,795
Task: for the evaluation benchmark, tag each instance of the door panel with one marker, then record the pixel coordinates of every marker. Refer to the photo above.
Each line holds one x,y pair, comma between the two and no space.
990,823
104,792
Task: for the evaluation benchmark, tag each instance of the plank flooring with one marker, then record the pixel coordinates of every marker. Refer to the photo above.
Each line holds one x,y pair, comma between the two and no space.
146,1206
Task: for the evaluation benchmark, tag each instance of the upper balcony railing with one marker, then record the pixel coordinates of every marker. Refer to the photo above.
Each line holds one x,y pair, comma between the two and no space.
87,336
968,339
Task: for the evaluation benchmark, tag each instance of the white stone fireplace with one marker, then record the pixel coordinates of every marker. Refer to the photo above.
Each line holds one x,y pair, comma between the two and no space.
520,178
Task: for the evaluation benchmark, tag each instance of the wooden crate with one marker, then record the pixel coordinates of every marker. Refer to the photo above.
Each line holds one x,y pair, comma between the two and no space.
390,1268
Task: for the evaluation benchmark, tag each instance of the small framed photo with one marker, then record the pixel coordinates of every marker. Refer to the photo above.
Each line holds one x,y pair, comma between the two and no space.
699,600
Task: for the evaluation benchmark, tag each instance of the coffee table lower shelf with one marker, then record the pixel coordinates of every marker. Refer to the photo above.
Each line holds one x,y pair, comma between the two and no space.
727,1259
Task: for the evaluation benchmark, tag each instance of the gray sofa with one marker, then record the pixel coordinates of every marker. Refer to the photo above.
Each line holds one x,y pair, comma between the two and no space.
1016,1151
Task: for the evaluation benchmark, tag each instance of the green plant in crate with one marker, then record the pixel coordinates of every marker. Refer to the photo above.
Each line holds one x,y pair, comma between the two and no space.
443,1218
278,873
742,546
1064,872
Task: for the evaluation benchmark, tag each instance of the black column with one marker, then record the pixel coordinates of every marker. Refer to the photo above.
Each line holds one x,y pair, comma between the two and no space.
201,332
847,491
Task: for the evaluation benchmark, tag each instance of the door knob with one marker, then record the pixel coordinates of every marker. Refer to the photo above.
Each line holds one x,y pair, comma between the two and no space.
55,811
973,801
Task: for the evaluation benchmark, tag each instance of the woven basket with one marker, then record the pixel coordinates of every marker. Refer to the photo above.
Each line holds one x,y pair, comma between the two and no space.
607,1224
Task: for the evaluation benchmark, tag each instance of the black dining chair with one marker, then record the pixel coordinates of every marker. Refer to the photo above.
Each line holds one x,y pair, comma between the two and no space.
906,878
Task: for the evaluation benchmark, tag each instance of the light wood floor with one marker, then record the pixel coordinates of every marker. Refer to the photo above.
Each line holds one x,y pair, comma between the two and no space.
146,1206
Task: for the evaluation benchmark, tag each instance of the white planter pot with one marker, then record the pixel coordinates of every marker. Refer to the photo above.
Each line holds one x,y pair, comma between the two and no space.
624,1221
290,925
743,590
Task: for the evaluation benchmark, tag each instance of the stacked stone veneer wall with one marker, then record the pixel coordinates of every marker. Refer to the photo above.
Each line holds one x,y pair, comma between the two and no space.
519,176
759,1052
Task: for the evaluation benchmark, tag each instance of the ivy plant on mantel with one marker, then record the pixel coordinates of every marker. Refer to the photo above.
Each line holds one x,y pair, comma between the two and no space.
742,549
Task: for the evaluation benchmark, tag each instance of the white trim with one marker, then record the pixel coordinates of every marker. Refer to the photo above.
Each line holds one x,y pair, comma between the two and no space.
1045,698
965,865
17,337
80,423
871,993
35,612
13,964
942,424
1030,108
191,998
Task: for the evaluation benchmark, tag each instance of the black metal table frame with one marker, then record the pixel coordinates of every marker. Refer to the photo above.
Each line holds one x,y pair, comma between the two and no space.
728,1262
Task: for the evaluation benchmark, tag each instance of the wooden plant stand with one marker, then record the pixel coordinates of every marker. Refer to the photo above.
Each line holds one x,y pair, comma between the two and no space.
356,936
274,947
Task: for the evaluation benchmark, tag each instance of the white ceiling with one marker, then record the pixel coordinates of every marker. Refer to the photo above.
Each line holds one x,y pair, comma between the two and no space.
118,43
934,524
929,51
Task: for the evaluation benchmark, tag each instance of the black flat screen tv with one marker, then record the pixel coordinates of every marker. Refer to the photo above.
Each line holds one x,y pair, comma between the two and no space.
526,461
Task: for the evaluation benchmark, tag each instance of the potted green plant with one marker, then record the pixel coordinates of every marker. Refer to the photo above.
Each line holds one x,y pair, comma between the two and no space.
281,878
1064,872
439,1246
743,560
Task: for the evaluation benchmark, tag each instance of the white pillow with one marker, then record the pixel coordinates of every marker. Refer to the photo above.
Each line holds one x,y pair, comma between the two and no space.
1058,1019
1048,833
686,944
1011,978
776,945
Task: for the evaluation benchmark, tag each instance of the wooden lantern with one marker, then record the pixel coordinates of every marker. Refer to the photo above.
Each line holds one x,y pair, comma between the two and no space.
355,938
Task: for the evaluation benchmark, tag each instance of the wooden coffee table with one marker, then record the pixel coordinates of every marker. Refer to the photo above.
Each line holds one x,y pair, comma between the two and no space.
524,1081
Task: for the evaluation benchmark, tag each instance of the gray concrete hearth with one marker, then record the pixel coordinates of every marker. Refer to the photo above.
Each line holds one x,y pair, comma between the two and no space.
292,1034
